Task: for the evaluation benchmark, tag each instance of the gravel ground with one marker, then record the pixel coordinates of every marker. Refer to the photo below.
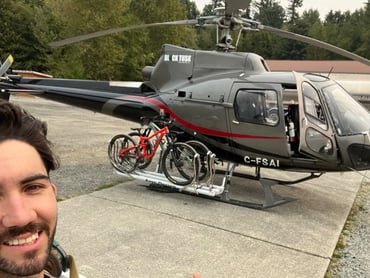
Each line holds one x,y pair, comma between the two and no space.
84,134
353,259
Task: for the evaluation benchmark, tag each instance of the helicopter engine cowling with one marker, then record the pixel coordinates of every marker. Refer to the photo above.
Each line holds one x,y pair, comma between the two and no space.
147,72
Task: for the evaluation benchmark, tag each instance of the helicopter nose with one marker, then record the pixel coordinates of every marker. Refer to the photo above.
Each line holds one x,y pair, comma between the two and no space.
359,155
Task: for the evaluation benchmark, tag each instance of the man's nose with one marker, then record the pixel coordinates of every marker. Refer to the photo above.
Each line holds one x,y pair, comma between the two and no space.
15,211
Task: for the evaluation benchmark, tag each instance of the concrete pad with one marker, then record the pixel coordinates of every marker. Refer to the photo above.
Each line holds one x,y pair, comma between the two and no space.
132,231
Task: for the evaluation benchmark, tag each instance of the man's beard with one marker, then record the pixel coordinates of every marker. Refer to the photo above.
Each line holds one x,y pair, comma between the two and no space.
31,266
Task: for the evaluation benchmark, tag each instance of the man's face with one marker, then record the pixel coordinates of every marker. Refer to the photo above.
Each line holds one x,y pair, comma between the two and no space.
28,210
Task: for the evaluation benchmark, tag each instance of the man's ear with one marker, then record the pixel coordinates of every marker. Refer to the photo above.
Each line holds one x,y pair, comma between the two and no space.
54,188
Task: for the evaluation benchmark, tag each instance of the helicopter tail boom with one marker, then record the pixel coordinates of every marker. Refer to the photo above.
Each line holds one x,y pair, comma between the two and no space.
107,97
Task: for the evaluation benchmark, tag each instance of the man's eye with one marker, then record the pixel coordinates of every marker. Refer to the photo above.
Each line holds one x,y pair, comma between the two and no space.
34,187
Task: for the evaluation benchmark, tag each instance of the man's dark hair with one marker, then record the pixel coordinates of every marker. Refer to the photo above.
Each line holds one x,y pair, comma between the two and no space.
18,124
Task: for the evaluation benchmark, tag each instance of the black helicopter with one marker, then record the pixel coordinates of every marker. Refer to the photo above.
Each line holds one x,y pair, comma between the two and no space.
232,103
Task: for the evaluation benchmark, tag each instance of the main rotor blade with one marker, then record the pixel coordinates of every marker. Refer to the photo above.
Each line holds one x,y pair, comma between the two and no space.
117,30
314,42
232,7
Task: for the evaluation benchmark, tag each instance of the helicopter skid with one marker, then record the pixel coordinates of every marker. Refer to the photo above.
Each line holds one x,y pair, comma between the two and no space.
158,181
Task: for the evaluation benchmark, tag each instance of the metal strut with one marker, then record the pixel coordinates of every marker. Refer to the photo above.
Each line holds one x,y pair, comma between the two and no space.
269,199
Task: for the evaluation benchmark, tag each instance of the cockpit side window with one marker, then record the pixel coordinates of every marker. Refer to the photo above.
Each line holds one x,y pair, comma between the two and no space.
313,107
349,117
257,106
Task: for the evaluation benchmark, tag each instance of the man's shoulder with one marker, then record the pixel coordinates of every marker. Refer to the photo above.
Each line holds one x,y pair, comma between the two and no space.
65,274
68,275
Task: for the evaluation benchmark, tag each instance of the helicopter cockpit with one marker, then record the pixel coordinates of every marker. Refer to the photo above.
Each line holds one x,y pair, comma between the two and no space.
348,116
331,124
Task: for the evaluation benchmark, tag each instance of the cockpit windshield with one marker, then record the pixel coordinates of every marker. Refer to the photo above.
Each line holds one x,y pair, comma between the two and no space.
349,116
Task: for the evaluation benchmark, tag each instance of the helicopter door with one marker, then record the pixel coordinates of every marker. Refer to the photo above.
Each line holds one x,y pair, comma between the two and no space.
316,134
256,120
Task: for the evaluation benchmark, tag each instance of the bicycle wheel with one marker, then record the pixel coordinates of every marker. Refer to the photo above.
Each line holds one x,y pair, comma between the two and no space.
142,162
202,150
179,163
123,161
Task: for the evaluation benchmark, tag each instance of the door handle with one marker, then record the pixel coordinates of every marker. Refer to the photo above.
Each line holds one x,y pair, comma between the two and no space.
235,122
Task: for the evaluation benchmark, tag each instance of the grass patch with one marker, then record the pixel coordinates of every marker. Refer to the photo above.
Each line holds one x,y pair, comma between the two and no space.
112,184
62,198
335,265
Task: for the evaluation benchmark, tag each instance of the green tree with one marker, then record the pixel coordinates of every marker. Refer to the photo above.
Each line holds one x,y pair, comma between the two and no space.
191,8
117,56
364,47
315,30
23,35
337,28
151,11
208,10
268,12
292,12
97,58
293,49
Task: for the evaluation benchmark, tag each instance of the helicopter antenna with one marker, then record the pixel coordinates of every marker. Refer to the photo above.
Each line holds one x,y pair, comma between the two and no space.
331,70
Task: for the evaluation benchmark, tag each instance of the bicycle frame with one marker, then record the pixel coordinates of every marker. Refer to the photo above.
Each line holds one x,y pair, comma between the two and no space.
142,145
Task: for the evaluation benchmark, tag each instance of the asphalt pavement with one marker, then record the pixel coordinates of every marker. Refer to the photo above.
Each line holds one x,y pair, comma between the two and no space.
129,231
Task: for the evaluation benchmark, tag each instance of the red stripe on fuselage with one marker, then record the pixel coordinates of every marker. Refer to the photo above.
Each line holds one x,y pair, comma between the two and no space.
197,128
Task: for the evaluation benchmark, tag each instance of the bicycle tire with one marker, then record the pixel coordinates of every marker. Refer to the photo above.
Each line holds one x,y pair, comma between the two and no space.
128,162
202,150
143,162
178,163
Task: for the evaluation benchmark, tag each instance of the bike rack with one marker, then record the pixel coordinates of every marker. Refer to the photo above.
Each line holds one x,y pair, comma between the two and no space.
208,188
160,179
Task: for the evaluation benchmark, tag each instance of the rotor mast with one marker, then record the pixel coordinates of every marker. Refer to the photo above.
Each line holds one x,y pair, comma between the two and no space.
230,14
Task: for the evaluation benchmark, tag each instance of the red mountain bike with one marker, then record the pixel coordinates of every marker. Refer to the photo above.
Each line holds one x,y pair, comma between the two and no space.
179,161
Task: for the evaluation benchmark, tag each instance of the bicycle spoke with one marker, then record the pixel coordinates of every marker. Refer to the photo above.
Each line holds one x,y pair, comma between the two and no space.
178,163
123,153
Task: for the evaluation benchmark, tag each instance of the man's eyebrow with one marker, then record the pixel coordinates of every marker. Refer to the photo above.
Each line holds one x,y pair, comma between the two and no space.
34,178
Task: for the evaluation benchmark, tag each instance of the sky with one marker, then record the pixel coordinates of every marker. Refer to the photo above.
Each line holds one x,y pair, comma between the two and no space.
323,6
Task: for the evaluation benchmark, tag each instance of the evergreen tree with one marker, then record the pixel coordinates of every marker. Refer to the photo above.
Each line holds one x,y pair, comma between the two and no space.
27,26
294,49
22,35
191,8
293,10
270,13
208,10
98,58
364,47
150,11
315,30
268,45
